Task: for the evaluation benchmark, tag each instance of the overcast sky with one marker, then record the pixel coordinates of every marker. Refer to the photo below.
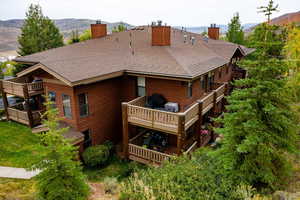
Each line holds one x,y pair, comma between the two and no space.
140,12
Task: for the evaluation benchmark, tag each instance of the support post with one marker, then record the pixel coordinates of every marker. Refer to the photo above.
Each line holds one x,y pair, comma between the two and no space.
29,111
200,121
214,103
181,130
125,129
5,102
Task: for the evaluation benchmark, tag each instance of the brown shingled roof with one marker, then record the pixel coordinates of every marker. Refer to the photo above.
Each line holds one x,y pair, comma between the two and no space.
98,57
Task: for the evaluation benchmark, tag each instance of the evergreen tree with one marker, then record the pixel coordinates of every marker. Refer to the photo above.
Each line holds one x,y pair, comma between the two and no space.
38,33
235,32
259,128
269,9
61,175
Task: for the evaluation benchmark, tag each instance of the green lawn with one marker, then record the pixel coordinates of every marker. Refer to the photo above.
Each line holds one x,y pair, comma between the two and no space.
18,145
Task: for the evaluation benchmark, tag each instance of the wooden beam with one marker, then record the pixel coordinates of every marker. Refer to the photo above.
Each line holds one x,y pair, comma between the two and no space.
5,102
27,99
125,130
181,131
214,103
200,121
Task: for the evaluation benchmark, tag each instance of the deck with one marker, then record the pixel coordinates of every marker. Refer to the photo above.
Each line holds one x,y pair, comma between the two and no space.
23,116
139,153
22,89
171,122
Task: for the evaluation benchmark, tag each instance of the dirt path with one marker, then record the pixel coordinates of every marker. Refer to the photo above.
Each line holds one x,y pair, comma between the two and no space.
98,193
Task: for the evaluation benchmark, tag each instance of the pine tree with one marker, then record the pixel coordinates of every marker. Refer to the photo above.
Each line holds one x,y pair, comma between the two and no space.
38,33
235,32
259,127
61,175
268,10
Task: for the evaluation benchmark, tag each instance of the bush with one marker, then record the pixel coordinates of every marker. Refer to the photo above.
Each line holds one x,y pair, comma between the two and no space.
2,112
196,178
110,185
96,155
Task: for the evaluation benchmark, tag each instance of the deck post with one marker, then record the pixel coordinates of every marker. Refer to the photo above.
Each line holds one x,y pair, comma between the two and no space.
125,129
5,102
200,121
215,103
27,101
181,130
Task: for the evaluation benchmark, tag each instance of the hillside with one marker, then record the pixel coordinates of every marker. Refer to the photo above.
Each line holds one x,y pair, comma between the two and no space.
287,19
10,29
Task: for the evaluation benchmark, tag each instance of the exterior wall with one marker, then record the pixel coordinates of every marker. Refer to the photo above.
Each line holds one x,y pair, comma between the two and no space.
59,91
103,119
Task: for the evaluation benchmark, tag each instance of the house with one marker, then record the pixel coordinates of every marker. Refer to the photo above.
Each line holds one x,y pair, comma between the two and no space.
103,88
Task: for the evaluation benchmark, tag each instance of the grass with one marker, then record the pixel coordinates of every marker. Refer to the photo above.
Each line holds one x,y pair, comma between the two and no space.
17,189
116,168
18,145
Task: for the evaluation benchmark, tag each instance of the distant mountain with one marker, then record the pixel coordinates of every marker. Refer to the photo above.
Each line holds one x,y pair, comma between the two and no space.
287,19
223,28
281,20
10,29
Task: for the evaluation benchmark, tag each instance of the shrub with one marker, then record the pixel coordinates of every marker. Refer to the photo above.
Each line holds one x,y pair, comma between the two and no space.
2,112
110,185
96,155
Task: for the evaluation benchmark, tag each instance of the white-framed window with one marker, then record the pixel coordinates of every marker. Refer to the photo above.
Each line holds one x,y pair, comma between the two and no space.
83,105
52,97
141,86
66,100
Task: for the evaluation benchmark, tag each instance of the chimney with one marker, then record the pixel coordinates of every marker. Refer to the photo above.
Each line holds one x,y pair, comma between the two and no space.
98,30
214,32
161,34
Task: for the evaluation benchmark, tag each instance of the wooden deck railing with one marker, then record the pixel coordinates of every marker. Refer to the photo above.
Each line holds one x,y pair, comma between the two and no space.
19,89
158,119
147,156
169,122
22,116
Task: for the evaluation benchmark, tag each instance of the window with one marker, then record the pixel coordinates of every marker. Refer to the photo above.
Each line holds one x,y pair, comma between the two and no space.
141,86
190,90
83,105
227,69
202,82
52,97
220,72
67,106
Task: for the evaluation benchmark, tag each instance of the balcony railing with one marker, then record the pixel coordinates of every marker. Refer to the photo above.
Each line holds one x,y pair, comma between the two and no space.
22,116
160,120
171,122
146,156
22,89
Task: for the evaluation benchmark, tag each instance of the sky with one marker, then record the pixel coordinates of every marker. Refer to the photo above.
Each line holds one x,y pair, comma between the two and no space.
141,12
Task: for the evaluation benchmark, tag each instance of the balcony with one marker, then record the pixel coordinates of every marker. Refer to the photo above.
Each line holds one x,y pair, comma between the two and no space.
142,154
24,117
25,90
174,123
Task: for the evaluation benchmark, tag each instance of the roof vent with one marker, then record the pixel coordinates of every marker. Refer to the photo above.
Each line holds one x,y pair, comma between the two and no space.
193,40
184,38
159,22
205,39
153,23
